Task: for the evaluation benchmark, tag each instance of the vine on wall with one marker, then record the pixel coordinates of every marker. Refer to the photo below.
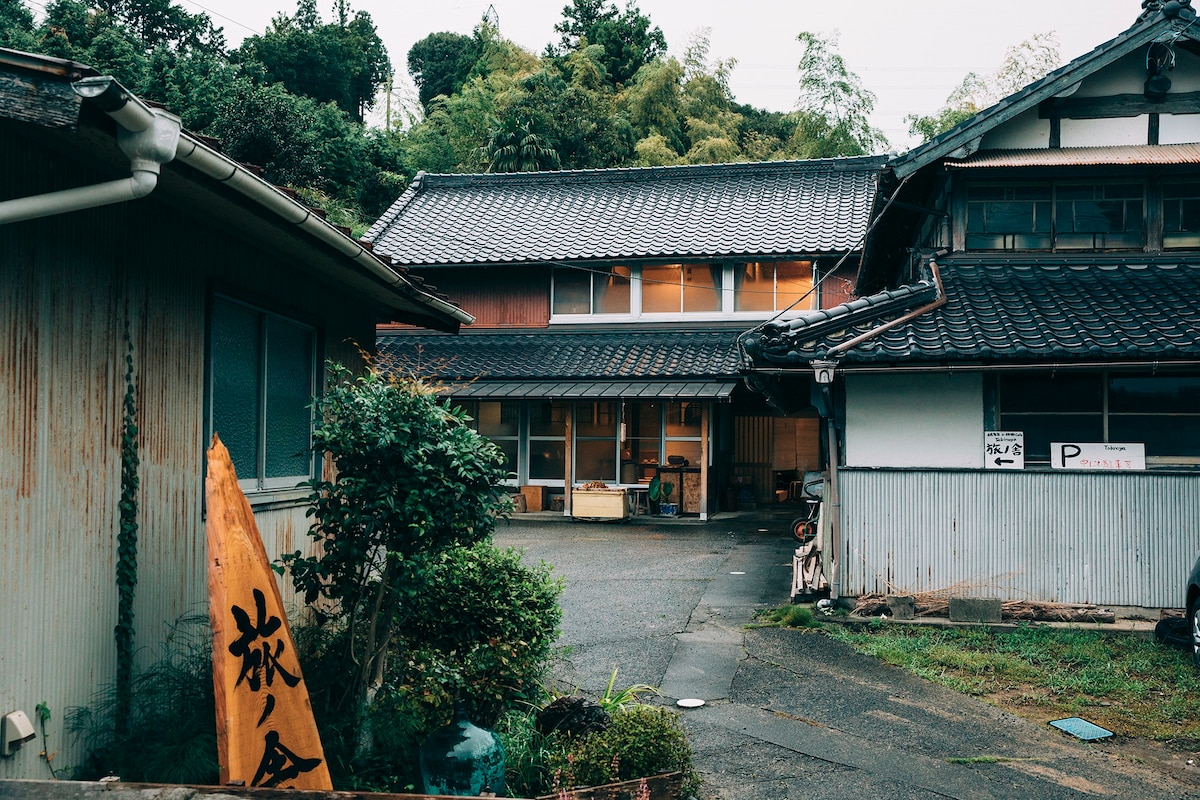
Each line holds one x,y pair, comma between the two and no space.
126,548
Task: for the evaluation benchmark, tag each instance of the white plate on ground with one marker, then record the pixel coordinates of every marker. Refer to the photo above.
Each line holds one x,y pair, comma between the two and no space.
689,702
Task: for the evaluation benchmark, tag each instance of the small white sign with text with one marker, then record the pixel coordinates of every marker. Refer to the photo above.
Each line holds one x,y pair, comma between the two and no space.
1004,449
1076,455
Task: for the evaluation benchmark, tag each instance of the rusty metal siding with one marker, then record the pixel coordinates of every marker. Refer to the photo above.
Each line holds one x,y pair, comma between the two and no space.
1117,539
70,287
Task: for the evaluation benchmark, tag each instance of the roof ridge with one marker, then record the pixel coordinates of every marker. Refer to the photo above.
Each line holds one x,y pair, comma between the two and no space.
841,163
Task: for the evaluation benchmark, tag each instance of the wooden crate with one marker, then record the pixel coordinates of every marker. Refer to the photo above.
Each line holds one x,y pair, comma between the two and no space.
599,503
537,498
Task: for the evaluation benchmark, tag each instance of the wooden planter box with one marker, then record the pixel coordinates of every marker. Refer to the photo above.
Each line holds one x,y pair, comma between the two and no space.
660,787
608,504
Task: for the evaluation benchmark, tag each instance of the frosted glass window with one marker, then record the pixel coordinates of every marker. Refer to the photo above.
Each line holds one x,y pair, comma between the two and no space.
610,290
661,289
289,393
702,287
236,355
571,290
754,286
263,370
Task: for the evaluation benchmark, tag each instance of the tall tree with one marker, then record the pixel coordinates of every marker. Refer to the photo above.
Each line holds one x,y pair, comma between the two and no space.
1023,63
16,26
342,62
440,63
834,100
627,37
161,22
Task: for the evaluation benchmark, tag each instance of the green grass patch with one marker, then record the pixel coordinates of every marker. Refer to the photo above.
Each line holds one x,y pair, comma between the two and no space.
788,616
1132,686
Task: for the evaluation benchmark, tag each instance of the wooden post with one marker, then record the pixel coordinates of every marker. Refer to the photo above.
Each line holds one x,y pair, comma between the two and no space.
266,734
705,416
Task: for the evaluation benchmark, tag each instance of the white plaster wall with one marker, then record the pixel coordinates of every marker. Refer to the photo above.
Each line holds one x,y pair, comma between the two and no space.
1126,76
914,420
1178,128
1023,132
1105,132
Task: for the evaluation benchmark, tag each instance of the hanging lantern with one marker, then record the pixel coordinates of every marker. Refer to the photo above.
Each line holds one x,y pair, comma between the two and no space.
462,759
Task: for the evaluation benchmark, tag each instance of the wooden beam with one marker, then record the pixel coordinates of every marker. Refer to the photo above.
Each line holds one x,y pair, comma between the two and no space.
1118,105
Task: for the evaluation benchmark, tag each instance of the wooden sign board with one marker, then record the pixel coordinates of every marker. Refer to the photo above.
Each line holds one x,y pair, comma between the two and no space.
266,734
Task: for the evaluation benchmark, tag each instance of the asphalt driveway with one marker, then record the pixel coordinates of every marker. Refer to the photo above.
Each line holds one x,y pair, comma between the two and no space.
789,714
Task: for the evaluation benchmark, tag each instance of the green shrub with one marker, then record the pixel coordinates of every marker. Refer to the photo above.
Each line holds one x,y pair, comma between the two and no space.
496,618
478,624
642,741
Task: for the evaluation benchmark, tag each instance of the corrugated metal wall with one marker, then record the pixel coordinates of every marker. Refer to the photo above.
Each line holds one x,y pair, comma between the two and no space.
69,288
1116,539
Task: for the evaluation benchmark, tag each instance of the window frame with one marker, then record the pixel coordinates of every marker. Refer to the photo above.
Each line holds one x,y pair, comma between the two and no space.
726,292
1104,414
259,487
1050,231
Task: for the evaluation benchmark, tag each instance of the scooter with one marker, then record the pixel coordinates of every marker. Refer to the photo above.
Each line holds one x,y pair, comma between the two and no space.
808,577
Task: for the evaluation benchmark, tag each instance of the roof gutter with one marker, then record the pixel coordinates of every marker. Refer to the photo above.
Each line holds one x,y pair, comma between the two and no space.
202,158
150,138
1049,366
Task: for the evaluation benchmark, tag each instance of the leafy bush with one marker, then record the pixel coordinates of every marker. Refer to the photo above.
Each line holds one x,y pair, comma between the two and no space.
495,615
478,624
642,741
412,480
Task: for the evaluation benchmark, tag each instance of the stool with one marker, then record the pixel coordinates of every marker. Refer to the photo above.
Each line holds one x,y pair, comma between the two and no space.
639,500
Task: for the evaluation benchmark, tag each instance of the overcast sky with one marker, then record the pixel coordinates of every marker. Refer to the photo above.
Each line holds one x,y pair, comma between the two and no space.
910,53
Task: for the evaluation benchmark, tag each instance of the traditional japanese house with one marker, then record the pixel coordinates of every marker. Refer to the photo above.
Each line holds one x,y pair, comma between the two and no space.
1013,398
149,282
609,303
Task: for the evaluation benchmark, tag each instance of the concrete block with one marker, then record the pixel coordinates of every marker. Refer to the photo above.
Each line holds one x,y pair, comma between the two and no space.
974,609
902,606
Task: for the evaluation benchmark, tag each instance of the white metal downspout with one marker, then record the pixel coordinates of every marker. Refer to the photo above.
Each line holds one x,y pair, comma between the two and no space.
835,507
148,138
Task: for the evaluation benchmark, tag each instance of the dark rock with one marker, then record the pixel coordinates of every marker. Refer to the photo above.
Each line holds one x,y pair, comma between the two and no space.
572,715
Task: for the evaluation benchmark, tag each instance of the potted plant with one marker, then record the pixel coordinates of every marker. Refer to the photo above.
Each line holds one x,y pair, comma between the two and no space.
660,492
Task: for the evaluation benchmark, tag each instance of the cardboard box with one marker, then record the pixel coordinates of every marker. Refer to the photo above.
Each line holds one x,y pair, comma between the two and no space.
536,497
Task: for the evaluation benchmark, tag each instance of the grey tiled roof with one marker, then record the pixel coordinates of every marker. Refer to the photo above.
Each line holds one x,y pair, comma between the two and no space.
755,209
619,354
1020,310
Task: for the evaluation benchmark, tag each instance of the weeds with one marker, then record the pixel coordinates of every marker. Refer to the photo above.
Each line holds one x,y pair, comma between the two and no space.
617,700
789,616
